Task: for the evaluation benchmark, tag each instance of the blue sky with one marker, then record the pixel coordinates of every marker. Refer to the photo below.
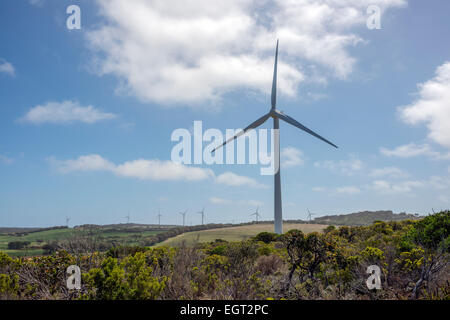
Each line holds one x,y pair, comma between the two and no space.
86,116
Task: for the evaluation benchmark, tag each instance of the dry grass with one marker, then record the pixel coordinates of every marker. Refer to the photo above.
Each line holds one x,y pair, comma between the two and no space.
236,233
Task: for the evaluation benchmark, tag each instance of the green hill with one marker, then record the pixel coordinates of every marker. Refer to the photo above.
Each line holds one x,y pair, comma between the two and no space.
236,233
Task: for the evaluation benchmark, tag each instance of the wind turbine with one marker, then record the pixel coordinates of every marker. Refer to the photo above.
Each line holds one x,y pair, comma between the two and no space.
203,214
184,216
67,221
159,218
256,214
128,218
310,215
276,115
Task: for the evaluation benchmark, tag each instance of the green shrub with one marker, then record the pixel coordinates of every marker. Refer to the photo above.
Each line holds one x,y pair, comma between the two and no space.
219,250
9,286
432,232
130,279
18,245
329,229
5,260
373,254
265,250
266,237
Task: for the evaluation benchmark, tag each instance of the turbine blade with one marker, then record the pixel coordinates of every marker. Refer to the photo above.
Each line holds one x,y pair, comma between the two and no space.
274,82
297,124
254,125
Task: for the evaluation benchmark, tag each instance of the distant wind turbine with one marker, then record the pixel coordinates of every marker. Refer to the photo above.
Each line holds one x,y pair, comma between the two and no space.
128,218
184,217
67,221
256,214
310,215
203,214
159,218
276,115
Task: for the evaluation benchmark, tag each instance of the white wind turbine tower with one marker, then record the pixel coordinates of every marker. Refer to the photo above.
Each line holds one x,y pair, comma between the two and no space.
256,214
184,216
67,221
159,218
276,115
203,214
310,215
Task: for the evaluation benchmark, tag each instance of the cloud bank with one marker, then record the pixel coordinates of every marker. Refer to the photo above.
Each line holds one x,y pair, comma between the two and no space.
65,112
150,169
142,169
193,52
432,106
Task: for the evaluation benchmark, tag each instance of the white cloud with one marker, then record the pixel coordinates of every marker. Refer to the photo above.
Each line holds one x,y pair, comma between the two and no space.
37,3
161,170
316,96
92,162
196,51
386,187
350,190
318,189
413,150
347,167
392,172
65,112
217,200
291,157
140,169
439,182
7,67
154,169
433,106
5,159
252,203
407,151
234,180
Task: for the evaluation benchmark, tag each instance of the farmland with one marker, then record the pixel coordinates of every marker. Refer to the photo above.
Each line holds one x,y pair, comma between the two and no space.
134,235
113,235
103,237
238,233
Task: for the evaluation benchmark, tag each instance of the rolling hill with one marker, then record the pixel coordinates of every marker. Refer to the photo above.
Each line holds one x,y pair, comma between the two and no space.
237,233
364,218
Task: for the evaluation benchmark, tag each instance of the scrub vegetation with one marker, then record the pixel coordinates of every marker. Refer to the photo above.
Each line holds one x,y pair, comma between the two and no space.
413,257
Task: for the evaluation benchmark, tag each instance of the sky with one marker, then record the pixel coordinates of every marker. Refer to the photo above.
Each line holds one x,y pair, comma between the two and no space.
87,115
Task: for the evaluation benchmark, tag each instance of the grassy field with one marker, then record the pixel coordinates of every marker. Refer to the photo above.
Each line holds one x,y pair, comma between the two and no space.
132,236
236,233
38,239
